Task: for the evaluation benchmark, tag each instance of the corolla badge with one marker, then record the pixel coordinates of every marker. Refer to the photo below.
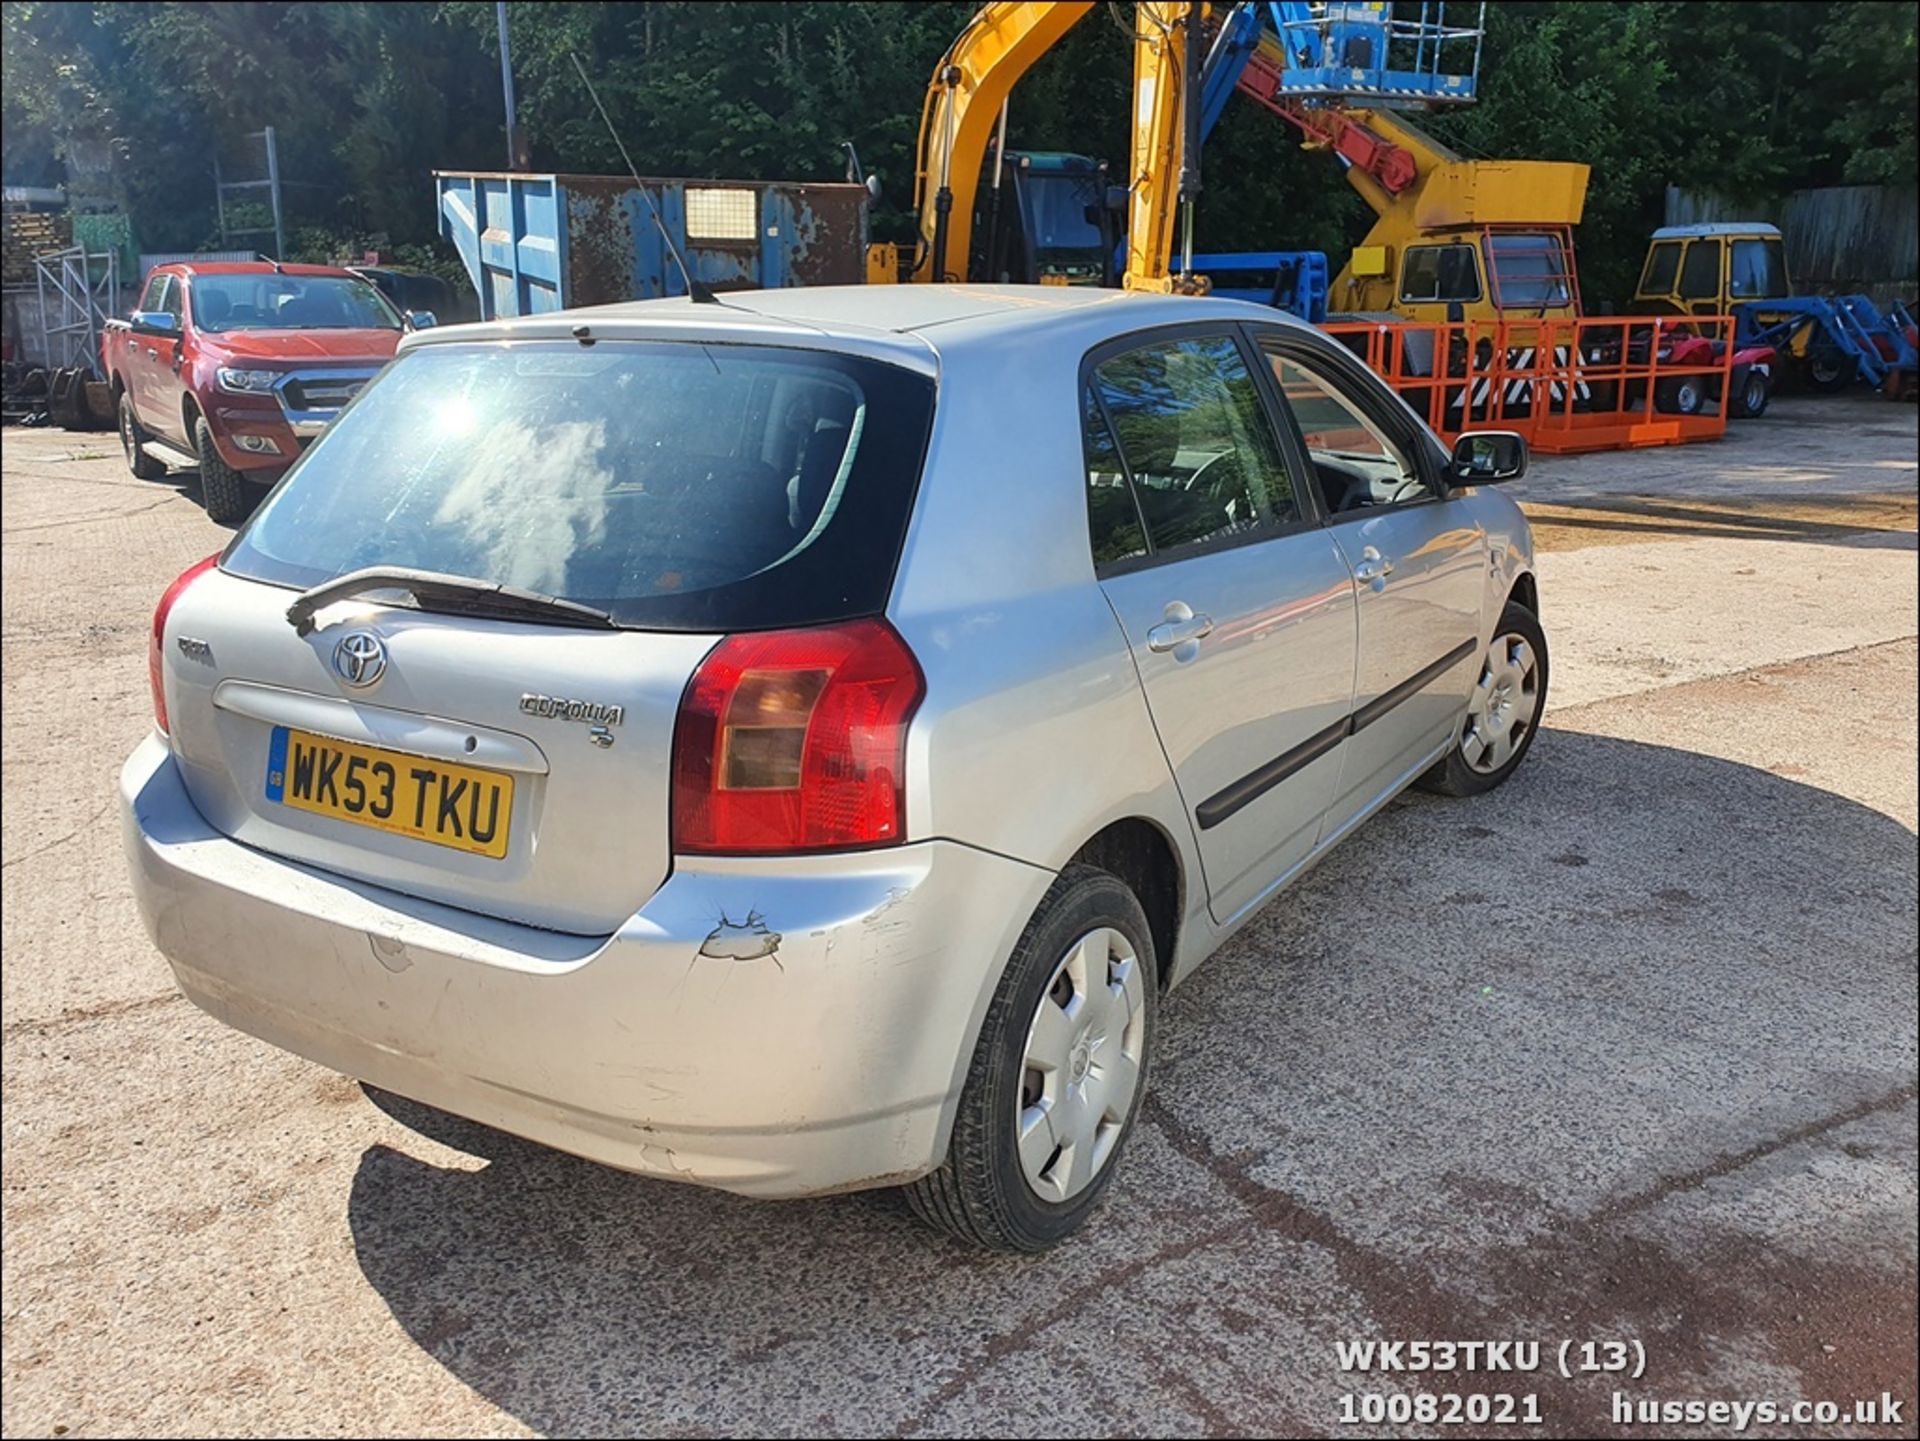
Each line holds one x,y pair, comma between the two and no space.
361,658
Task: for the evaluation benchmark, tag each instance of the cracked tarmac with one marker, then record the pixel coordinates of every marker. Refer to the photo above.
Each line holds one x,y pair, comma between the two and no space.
1623,1051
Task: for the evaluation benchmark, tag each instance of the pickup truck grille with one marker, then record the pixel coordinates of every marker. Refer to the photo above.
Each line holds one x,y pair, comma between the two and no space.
311,398
322,392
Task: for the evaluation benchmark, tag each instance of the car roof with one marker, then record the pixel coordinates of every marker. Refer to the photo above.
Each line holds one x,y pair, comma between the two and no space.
900,322
1694,232
249,267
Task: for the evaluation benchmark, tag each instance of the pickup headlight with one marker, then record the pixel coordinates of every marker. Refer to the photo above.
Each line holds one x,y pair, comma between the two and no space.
248,382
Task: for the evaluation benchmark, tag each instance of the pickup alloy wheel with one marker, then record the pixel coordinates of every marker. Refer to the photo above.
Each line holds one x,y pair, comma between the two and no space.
133,440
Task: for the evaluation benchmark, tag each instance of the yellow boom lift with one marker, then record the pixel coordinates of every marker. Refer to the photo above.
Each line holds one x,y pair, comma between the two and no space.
1471,239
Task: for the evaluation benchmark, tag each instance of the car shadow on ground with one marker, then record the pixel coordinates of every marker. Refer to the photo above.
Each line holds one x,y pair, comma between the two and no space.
187,482
1523,1066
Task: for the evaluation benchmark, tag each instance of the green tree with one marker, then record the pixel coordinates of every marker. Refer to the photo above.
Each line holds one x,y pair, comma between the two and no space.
1866,59
1747,98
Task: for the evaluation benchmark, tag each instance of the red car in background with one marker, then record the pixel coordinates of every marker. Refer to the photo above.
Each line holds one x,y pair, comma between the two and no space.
240,364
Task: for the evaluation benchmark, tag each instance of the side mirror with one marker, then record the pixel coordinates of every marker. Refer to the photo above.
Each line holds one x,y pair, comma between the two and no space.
1487,457
873,187
154,322
421,320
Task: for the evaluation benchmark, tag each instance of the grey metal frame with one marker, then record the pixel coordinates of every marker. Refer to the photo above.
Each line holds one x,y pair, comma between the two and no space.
84,303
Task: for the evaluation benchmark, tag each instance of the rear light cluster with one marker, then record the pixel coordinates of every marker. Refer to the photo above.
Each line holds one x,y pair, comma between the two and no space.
156,670
795,740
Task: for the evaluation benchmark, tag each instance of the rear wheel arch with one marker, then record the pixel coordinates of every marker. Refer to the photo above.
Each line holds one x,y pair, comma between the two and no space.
1141,855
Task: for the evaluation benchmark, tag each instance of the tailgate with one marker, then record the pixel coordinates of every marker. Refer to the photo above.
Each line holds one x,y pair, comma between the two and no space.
516,769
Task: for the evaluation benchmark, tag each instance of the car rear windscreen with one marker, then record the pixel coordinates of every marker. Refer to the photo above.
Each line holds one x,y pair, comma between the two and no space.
679,486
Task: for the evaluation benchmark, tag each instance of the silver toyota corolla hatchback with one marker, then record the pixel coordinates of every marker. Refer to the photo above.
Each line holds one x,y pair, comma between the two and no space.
793,744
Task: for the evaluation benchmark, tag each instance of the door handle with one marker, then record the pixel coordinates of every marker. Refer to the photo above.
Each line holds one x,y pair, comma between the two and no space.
152,354
1181,627
1373,567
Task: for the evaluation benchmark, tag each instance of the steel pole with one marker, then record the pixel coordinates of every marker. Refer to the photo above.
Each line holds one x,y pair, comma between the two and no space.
506,82
273,189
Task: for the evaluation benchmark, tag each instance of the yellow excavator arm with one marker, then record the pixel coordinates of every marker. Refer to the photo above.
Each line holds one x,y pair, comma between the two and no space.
1165,131
966,100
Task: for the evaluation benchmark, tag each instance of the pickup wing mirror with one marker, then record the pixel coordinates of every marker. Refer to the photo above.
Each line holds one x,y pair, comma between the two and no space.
154,322
421,320
1487,457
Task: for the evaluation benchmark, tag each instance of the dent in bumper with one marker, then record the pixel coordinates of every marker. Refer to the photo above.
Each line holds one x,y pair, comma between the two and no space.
775,1028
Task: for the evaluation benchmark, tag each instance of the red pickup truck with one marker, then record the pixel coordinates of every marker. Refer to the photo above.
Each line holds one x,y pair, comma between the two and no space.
240,365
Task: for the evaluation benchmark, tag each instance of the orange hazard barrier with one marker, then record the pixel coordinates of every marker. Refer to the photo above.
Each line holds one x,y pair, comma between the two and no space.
1606,383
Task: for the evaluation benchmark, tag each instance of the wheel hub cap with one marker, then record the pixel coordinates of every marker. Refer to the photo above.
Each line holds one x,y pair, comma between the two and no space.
1081,1067
1502,709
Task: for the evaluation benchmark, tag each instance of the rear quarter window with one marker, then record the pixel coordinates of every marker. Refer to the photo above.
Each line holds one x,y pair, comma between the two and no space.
678,486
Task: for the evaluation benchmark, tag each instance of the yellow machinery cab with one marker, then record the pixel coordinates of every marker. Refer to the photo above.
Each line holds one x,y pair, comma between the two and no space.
1709,269
1487,272
1483,240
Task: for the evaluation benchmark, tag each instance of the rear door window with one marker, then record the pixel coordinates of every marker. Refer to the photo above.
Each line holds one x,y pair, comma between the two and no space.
1112,517
676,485
1188,424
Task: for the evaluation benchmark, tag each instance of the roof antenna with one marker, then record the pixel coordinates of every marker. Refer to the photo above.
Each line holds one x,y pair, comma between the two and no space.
697,290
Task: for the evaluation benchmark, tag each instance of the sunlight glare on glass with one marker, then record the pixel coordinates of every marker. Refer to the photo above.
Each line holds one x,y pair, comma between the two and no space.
453,416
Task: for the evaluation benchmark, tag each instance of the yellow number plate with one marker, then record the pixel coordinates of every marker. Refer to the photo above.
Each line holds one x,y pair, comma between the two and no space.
463,807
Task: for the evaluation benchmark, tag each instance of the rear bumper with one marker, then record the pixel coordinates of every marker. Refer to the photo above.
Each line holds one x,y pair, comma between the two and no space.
775,1028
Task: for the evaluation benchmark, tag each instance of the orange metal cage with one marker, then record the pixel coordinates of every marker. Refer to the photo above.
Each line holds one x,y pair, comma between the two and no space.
1567,385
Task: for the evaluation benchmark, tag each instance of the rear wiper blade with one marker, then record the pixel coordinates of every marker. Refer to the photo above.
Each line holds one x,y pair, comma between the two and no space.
460,592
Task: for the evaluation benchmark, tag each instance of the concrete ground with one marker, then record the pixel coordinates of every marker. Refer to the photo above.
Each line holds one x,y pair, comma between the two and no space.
1624,1051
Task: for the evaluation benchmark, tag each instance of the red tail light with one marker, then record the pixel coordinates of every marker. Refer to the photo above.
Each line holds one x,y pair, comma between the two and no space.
155,669
794,740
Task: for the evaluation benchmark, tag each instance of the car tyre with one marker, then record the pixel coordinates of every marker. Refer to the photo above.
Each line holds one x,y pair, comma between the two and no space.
133,440
1083,975
225,490
1504,712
